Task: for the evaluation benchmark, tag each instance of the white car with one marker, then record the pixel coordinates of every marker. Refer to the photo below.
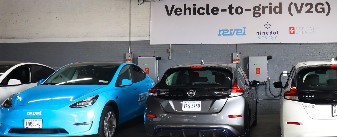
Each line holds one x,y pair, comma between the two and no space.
16,76
309,101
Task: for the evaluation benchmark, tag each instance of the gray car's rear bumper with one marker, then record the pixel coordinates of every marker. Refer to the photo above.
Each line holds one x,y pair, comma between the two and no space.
184,121
178,125
192,130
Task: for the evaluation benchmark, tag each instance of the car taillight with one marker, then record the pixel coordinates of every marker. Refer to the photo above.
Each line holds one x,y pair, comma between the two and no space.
153,91
151,116
291,94
197,67
333,66
293,123
236,90
234,116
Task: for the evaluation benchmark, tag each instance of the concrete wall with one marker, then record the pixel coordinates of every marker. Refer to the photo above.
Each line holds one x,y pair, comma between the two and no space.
73,20
57,54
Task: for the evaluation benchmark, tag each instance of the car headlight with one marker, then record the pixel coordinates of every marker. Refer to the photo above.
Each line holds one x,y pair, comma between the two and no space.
7,103
85,103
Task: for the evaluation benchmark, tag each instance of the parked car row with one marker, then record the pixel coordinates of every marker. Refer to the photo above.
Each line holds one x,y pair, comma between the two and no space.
93,98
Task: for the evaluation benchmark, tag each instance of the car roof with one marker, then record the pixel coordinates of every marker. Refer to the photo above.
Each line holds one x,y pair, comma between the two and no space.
98,63
315,63
17,63
232,65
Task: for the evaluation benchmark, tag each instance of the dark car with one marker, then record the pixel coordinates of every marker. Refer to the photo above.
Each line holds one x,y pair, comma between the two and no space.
201,100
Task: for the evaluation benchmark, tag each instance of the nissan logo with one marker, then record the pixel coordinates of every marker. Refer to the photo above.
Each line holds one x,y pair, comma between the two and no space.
191,93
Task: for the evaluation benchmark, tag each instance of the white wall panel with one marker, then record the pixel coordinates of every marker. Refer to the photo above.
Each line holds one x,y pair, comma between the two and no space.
72,20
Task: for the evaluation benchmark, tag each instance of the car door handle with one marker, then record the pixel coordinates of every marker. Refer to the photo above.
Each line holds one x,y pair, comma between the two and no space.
135,88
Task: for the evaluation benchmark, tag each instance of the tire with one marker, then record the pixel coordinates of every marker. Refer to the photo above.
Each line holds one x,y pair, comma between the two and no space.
255,117
108,122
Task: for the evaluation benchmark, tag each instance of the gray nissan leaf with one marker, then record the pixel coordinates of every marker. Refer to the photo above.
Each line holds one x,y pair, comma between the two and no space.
201,100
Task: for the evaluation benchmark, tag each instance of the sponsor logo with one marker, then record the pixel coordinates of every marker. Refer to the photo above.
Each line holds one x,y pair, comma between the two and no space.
267,33
142,97
267,25
232,32
291,30
298,30
191,93
34,113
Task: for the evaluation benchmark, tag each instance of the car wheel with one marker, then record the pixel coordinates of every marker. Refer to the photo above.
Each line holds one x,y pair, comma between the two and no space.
107,125
255,117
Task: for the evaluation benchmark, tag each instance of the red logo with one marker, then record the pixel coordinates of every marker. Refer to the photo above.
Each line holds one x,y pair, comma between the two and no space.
258,71
147,70
291,30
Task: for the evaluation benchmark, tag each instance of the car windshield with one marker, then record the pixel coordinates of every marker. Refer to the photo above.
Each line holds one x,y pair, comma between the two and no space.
83,75
4,68
317,78
201,77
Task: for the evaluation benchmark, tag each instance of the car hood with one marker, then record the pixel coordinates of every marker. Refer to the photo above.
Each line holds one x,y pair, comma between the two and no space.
51,95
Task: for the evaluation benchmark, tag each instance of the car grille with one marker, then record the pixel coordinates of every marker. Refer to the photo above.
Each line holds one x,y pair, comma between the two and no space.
172,132
37,131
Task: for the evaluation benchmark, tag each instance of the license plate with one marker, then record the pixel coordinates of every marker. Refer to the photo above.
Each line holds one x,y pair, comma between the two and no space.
33,123
191,106
334,110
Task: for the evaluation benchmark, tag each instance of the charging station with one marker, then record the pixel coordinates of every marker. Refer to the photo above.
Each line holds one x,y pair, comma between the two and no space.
149,65
258,68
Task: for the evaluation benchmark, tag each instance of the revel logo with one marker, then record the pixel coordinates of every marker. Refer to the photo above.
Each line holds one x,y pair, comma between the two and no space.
232,32
34,113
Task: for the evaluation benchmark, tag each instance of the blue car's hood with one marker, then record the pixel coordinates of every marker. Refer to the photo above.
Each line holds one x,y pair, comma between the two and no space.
53,95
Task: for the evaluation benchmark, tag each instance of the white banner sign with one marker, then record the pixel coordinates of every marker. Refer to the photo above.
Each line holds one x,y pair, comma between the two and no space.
243,21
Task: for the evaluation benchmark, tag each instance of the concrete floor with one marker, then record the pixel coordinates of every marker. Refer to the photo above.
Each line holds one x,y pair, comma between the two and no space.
268,126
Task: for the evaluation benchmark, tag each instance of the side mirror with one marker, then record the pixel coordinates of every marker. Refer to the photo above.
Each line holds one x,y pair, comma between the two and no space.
40,82
278,84
13,82
255,83
126,82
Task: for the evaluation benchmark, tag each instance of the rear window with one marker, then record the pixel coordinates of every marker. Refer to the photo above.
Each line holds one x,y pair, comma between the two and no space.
317,78
203,77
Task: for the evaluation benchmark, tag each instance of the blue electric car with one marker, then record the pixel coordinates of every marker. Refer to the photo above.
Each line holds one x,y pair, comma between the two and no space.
79,99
